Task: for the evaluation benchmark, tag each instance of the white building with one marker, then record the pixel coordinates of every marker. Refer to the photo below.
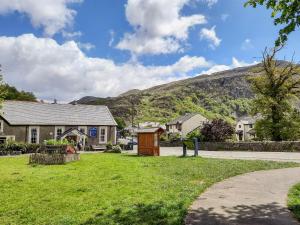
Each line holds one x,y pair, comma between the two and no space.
185,124
245,129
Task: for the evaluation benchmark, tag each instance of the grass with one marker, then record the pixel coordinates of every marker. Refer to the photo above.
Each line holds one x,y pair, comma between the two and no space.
294,200
111,189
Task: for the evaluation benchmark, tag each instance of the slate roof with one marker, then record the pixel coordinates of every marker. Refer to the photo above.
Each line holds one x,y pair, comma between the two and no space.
35,113
182,119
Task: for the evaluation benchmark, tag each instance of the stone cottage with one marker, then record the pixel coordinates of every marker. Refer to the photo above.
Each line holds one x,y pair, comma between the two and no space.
34,122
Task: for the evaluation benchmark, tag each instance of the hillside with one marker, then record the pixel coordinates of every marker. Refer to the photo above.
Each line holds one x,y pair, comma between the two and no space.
224,94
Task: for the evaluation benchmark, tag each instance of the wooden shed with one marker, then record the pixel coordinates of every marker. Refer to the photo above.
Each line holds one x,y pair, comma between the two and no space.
148,141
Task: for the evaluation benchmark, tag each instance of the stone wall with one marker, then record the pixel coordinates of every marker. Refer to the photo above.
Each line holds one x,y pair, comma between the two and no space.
52,159
268,146
285,146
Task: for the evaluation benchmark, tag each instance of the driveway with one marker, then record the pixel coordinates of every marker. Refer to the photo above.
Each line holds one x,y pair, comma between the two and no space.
272,156
257,198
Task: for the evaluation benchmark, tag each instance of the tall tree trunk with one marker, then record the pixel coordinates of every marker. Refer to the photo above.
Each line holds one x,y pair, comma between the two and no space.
276,136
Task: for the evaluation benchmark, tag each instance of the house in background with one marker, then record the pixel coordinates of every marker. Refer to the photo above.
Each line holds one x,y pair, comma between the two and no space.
33,122
185,124
245,129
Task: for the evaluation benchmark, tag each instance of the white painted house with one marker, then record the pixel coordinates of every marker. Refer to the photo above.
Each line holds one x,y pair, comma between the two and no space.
245,129
185,124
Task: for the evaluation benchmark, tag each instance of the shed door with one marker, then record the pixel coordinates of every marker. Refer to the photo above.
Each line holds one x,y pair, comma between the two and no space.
146,143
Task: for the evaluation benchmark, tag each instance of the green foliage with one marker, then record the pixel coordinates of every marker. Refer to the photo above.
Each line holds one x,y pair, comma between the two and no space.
58,142
121,123
11,93
111,188
11,146
276,87
109,145
294,201
189,140
284,12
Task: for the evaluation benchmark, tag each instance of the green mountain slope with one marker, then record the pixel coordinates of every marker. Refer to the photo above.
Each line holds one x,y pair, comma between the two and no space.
224,94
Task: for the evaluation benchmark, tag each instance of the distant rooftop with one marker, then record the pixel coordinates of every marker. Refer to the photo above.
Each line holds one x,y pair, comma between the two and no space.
35,113
182,119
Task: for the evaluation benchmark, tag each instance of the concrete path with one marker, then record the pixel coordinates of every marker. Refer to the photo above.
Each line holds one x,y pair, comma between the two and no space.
272,156
257,198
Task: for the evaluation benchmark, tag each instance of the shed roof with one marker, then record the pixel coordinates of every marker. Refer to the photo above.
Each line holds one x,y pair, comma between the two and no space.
183,118
36,113
150,130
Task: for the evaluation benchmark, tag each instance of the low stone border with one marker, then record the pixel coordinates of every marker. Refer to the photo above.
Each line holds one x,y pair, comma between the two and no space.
263,146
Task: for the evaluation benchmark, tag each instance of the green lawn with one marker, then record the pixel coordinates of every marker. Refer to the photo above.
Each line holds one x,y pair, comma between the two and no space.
111,189
294,201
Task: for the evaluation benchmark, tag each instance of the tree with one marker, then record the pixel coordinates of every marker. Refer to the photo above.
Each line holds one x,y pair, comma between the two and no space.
284,12
2,89
120,123
217,130
276,86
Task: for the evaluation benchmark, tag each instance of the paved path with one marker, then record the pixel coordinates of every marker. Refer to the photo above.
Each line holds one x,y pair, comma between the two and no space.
257,198
272,156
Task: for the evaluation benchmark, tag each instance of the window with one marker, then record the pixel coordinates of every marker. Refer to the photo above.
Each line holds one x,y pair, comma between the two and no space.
250,125
34,133
1,125
240,126
102,135
59,131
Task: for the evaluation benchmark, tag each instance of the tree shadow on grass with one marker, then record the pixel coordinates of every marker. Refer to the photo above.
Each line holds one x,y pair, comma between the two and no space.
141,214
265,214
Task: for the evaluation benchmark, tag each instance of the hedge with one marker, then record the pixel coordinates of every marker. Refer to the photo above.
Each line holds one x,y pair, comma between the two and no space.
14,148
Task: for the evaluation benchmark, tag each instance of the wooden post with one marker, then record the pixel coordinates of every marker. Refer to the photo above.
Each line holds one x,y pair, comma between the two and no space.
196,146
184,148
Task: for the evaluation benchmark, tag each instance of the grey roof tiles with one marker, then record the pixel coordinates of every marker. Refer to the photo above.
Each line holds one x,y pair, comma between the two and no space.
35,113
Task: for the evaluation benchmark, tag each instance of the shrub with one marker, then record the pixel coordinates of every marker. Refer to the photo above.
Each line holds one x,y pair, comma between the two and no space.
109,145
58,142
12,147
115,149
217,130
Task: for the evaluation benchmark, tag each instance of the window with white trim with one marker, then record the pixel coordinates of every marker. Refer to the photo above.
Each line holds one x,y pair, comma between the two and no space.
34,135
59,131
102,134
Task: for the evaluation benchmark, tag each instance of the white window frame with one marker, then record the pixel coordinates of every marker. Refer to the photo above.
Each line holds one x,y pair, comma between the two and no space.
37,134
84,128
1,126
105,137
56,128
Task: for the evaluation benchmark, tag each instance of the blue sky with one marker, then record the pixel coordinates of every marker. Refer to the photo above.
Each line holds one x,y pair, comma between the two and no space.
74,48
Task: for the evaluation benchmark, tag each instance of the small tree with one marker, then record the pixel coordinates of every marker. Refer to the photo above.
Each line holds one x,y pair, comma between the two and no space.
217,130
276,86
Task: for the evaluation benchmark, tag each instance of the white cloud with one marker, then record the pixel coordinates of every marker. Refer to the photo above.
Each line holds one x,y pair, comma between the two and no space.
235,63
224,17
159,27
71,35
211,36
210,3
112,38
247,44
52,15
85,46
63,71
